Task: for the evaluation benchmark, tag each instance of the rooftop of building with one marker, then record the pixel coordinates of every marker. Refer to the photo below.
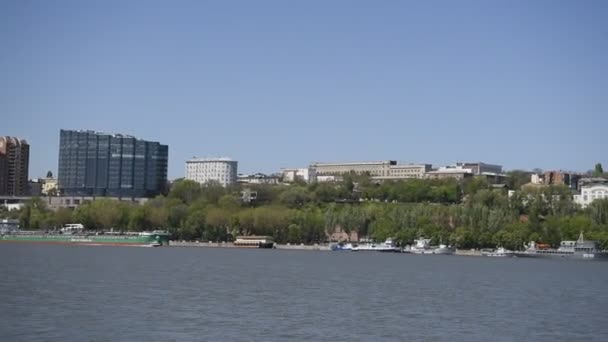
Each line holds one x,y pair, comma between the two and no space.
451,169
593,180
113,135
478,163
594,185
560,171
13,140
410,165
288,169
118,135
381,162
209,159
493,174
256,175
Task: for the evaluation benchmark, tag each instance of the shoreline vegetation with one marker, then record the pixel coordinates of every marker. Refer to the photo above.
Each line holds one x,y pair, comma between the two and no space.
469,214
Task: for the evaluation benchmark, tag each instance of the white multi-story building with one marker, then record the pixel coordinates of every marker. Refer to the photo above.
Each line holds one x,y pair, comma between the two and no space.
203,170
590,193
290,175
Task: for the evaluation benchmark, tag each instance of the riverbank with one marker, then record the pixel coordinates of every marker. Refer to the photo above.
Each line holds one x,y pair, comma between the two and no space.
315,247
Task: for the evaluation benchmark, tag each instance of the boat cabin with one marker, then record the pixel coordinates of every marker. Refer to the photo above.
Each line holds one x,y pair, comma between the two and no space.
72,228
254,241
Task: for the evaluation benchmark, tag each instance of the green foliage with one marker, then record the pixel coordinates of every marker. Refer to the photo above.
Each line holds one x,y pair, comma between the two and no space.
598,211
229,202
185,190
139,219
413,191
103,214
327,192
598,171
467,214
35,215
517,178
294,233
294,197
472,186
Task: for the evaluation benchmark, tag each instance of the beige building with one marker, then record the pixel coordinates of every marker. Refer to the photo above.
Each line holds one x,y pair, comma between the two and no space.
375,169
339,235
49,186
406,171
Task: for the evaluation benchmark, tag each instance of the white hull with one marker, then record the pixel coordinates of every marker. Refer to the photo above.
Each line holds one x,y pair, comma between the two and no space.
375,249
499,253
387,246
436,251
422,247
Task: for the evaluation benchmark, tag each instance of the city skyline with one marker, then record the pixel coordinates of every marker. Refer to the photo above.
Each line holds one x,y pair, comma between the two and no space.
301,165
276,85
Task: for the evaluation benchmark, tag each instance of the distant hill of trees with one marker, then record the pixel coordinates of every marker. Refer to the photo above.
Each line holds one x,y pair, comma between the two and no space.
469,214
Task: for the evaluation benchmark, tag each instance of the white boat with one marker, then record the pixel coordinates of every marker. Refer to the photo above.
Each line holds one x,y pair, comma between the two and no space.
444,249
498,253
386,246
342,247
423,246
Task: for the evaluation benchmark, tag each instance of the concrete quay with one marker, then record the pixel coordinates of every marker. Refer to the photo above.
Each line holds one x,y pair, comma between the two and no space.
201,244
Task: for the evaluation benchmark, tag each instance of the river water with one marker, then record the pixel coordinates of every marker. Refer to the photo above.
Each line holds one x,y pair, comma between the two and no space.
79,293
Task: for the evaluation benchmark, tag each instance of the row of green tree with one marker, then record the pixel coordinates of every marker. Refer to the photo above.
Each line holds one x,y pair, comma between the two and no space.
469,214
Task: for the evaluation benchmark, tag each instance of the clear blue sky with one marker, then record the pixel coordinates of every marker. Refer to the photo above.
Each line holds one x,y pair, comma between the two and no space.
282,83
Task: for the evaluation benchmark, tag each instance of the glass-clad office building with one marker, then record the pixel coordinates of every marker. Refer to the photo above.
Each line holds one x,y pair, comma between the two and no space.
113,165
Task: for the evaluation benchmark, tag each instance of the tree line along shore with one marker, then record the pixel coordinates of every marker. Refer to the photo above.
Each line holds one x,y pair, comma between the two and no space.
469,214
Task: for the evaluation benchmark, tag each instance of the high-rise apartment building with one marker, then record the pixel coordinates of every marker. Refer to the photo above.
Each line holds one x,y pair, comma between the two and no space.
14,166
113,165
203,170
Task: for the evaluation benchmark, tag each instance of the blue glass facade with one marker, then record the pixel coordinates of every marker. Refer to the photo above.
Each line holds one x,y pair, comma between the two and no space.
96,164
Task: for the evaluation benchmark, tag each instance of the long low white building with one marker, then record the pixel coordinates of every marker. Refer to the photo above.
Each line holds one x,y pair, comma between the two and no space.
379,170
258,178
457,172
374,168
